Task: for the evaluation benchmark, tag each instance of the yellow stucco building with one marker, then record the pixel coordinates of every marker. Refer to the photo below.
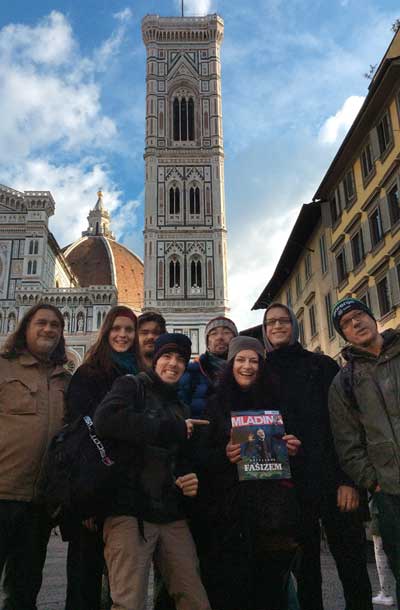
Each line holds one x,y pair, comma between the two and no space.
360,198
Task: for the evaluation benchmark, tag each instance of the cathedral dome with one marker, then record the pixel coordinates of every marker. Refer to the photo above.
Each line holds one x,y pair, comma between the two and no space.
97,260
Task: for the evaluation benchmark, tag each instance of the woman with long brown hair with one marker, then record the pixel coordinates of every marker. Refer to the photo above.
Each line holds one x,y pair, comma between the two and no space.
111,356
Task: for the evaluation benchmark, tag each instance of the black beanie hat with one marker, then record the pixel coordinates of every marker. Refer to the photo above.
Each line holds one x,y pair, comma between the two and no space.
172,342
344,306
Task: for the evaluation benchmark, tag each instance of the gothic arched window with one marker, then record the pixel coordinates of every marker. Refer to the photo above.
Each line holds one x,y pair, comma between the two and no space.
195,274
209,274
174,274
176,119
98,319
160,274
194,197
36,247
30,268
31,247
174,200
183,119
34,267
191,119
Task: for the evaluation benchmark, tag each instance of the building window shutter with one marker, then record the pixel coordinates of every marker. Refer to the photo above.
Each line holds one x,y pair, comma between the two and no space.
394,286
348,256
373,295
335,274
326,214
366,235
385,215
374,144
342,196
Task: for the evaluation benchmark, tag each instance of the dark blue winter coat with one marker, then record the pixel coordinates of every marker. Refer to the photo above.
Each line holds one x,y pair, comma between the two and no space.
196,385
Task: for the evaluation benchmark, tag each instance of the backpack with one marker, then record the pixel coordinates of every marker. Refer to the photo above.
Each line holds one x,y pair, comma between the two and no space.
80,470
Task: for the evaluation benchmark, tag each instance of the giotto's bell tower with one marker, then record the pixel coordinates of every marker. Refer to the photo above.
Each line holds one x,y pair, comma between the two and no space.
185,225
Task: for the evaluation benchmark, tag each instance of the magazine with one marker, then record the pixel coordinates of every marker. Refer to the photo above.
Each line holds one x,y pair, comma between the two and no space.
264,453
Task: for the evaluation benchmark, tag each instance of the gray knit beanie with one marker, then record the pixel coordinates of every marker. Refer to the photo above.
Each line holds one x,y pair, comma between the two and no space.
220,321
238,344
295,326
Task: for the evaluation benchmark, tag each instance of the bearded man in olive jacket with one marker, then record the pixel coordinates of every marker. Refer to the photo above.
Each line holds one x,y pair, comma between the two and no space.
33,381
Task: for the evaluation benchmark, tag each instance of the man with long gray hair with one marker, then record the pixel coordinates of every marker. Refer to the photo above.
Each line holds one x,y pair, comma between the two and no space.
33,381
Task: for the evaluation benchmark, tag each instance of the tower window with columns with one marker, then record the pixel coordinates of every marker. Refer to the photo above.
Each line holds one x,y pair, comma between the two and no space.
183,119
174,200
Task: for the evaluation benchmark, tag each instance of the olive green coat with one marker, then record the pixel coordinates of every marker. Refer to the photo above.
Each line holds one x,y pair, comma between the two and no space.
367,430
31,412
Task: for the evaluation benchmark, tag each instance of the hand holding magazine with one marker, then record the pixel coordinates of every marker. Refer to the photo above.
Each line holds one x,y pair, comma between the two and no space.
262,448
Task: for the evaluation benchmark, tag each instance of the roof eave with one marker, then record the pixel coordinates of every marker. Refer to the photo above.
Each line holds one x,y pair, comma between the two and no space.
391,67
305,224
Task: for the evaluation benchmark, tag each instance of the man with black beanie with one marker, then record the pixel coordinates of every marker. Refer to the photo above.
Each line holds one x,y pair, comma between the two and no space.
324,491
364,405
143,415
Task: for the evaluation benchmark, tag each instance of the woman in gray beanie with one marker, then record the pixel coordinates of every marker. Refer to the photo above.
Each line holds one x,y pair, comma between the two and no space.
246,565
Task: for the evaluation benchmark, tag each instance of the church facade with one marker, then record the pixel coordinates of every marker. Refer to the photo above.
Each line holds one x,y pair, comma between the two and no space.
185,249
84,280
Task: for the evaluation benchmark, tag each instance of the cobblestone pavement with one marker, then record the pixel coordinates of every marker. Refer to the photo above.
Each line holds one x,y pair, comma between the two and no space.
52,595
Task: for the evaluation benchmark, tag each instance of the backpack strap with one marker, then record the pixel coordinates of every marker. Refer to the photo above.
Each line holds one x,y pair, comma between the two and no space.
347,383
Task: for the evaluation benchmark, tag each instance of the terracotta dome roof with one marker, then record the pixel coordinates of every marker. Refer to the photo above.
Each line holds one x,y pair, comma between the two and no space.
99,261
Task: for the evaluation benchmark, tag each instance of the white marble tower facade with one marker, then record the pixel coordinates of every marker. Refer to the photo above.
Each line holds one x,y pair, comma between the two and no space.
185,226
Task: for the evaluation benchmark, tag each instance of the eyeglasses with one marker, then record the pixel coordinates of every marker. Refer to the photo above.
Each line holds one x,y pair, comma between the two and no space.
280,321
357,317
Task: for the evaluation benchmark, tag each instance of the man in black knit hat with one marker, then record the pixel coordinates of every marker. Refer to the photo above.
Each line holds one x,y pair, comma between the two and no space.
147,516
364,405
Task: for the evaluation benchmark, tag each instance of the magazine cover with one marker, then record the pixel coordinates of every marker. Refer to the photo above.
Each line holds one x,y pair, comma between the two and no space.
264,453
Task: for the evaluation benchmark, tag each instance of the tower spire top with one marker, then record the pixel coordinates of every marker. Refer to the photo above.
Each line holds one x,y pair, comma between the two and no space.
183,8
99,219
99,204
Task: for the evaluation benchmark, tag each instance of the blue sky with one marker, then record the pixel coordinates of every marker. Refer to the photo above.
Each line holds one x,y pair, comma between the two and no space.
72,101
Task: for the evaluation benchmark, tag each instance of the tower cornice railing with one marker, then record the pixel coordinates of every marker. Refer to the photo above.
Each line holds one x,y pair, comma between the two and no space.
182,29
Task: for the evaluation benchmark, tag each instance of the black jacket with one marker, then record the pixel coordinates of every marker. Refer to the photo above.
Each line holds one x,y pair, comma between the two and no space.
86,390
241,527
147,419
266,507
304,381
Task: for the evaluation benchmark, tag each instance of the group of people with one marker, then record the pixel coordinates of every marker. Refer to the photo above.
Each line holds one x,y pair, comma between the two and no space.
216,542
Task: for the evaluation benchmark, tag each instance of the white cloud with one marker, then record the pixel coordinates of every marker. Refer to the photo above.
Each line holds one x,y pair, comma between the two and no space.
125,220
196,7
74,188
252,263
336,126
124,15
49,42
48,92
112,45
56,130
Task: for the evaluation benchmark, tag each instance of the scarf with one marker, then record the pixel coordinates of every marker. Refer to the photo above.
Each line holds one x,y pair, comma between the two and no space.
125,362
